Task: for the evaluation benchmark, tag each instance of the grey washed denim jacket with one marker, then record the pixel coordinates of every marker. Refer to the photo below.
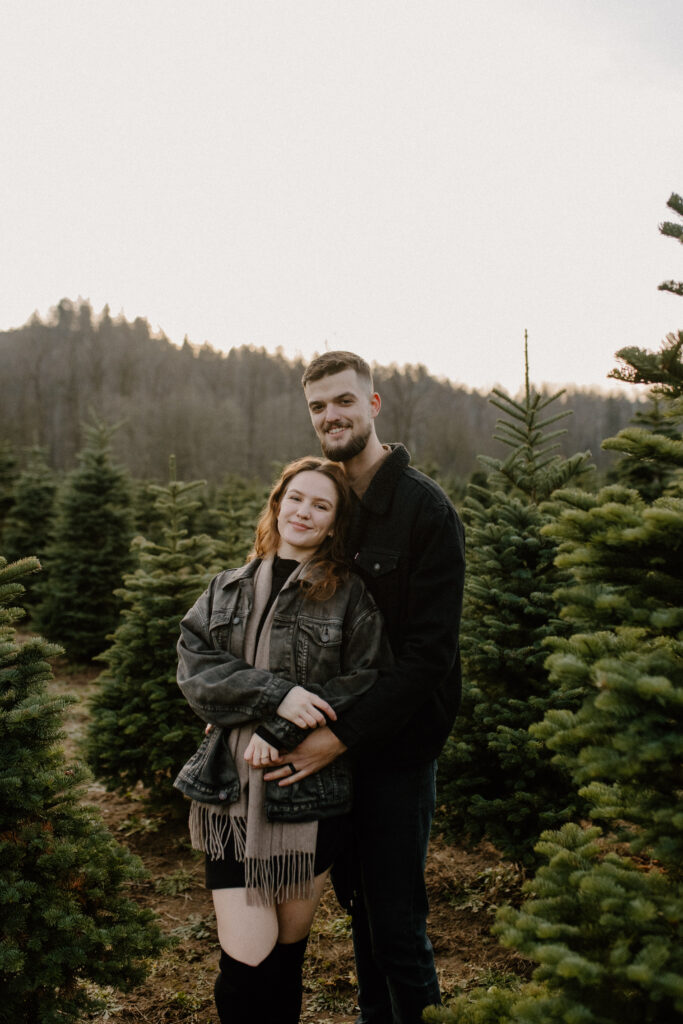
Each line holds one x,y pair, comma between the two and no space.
334,647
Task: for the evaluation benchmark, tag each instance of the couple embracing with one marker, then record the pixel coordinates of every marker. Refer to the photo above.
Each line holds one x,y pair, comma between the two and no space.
327,672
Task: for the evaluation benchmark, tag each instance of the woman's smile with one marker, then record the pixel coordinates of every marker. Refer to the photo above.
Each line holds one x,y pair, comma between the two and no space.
306,514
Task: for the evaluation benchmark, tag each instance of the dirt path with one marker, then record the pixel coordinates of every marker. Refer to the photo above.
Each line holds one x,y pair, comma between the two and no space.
465,887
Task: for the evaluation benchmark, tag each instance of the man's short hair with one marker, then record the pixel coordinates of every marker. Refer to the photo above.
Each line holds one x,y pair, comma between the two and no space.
335,362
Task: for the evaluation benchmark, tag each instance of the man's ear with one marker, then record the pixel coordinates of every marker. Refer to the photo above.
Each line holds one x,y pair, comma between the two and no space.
375,404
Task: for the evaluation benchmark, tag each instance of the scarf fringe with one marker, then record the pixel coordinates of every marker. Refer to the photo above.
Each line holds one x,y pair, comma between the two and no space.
211,828
276,879
287,876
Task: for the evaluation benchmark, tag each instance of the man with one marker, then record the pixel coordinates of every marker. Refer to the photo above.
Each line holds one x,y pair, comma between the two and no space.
407,543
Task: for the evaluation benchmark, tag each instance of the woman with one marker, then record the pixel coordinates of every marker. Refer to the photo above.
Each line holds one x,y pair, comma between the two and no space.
269,651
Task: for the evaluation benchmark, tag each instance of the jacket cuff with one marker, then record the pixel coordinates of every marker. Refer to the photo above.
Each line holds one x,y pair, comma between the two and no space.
268,736
275,692
348,736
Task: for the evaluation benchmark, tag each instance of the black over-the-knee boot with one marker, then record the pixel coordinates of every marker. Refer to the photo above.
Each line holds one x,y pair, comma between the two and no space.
289,995
244,994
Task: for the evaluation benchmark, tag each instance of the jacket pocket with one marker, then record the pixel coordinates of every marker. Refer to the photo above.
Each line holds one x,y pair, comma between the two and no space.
318,650
325,794
223,618
210,775
376,561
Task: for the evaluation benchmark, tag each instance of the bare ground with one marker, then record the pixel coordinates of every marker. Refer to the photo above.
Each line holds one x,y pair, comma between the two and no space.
465,887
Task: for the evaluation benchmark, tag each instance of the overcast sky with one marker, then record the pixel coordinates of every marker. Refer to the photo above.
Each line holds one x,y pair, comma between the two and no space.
417,180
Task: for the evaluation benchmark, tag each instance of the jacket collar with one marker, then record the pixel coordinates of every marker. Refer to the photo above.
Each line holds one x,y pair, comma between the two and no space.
243,572
379,494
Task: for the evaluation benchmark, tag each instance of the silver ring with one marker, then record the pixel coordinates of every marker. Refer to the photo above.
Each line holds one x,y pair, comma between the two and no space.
291,766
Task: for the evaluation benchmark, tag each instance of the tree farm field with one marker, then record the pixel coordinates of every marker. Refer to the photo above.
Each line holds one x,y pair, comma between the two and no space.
465,888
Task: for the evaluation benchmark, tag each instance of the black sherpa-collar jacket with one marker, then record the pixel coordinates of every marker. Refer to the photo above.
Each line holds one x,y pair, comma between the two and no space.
407,543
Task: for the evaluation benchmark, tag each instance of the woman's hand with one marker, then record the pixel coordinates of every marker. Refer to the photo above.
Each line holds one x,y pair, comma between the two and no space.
305,709
260,754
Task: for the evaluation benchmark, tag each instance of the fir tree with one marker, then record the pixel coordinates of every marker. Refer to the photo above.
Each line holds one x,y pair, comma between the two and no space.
604,916
29,521
240,503
674,229
652,474
89,553
66,922
142,729
8,475
496,779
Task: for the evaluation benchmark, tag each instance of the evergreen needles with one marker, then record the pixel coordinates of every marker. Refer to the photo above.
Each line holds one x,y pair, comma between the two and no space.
603,917
142,729
496,779
65,918
89,552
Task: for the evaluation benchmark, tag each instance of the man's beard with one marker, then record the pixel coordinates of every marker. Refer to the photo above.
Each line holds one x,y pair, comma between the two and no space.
348,451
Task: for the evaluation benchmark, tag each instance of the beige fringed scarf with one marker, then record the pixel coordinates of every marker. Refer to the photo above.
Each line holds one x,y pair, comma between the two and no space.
278,857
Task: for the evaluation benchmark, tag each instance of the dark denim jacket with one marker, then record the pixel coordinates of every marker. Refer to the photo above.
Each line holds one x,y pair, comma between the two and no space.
332,647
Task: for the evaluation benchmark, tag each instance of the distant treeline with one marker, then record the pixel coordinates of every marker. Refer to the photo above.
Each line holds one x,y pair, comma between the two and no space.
240,412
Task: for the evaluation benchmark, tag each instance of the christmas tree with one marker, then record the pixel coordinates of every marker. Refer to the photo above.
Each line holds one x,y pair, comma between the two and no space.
8,476
604,915
89,552
651,474
240,502
142,729
496,779
29,521
66,922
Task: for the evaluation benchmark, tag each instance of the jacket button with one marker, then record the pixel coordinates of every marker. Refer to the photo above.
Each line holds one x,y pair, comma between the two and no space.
223,795
377,567
236,620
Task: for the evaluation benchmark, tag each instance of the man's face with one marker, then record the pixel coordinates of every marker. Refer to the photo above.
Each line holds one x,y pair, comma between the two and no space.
342,409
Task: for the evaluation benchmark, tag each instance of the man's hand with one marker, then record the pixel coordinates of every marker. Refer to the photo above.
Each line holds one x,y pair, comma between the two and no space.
318,749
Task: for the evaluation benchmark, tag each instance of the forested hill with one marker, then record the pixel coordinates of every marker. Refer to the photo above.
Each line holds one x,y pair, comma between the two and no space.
236,412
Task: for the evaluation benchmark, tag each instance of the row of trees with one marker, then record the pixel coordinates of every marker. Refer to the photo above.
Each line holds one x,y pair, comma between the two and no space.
68,919
572,720
237,413
571,714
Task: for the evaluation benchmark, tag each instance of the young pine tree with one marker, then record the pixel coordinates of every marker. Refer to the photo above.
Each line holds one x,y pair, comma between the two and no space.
89,552
652,475
142,729
497,779
604,914
66,921
240,503
8,476
29,521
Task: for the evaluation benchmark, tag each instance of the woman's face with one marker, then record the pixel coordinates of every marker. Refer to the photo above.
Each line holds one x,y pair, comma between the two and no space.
307,513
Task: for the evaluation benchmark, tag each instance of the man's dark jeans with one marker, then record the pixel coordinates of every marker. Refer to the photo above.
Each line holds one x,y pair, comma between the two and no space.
393,810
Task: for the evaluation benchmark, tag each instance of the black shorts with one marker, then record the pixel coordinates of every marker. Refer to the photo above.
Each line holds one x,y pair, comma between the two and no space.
333,835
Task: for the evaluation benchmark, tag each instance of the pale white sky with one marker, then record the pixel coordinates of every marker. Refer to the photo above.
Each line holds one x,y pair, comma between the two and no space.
417,180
